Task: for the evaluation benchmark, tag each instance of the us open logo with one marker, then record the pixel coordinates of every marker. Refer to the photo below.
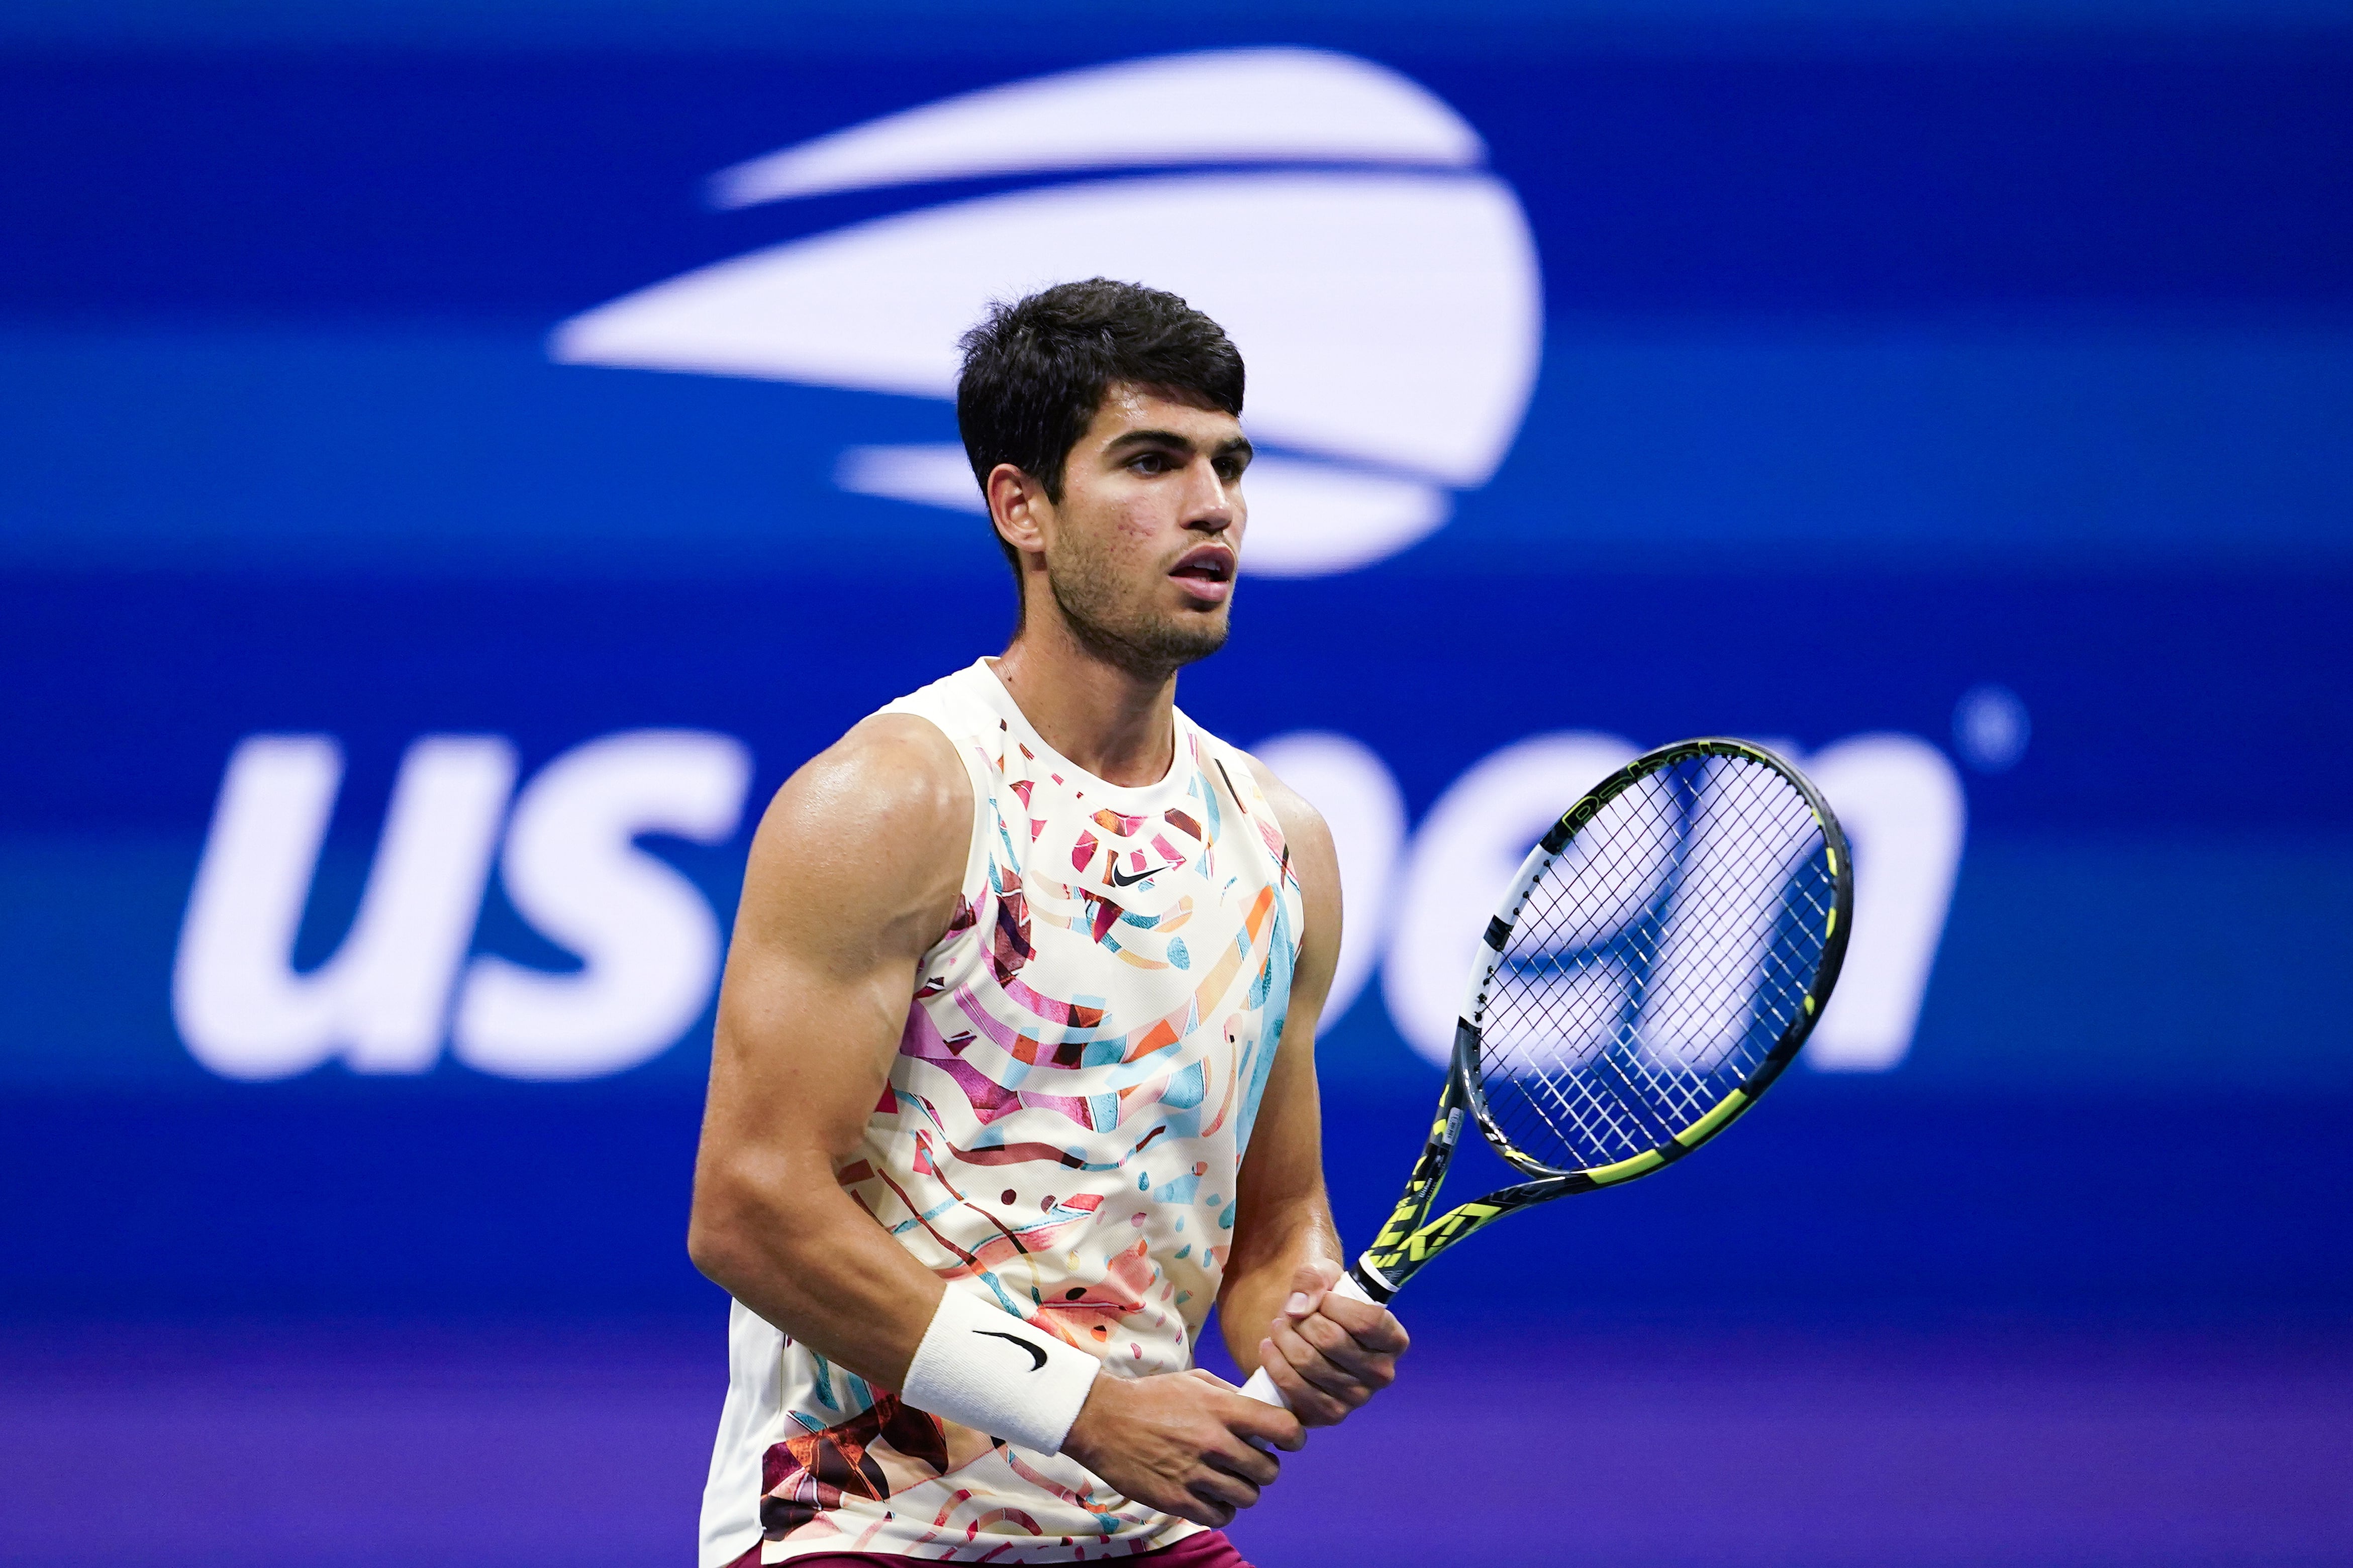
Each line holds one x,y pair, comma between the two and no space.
1339,221
1335,218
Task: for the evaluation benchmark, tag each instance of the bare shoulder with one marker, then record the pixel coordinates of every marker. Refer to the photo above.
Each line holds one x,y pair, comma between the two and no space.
1312,855
873,830
894,772
1317,865
1304,827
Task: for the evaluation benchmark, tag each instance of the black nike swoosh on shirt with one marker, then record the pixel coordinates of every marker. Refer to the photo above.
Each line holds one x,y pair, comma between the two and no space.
1119,881
1037,1356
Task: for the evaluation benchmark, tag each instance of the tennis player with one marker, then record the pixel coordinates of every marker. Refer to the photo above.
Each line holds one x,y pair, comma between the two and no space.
1015,1073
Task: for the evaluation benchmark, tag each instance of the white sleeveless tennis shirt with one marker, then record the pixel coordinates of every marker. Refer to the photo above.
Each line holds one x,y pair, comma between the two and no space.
1060,1134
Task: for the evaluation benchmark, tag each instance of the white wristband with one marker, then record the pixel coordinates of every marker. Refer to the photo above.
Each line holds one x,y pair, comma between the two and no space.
988,1369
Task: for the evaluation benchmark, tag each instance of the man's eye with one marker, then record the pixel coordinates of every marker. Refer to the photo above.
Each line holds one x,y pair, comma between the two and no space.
1150,463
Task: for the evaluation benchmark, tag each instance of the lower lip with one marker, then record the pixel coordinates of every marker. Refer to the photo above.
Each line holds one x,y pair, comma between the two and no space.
1208,590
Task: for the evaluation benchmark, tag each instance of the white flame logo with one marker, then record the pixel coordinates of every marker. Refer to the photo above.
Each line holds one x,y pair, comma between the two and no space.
1387,299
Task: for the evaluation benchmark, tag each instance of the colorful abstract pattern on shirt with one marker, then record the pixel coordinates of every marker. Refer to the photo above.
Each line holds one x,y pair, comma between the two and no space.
1062,1127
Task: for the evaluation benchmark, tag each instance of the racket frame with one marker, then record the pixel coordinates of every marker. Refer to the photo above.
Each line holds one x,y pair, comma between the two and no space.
1411,1238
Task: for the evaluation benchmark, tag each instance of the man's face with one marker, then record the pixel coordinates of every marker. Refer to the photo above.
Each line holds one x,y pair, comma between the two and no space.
1140,550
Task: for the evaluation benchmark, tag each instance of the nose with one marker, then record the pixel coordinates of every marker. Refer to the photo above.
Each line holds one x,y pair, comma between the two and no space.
1215,504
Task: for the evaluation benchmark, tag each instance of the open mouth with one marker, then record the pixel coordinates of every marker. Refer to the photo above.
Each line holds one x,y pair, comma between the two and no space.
1206,566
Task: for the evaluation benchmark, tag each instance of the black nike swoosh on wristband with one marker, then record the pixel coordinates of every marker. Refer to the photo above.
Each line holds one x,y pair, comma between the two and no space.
1037,1356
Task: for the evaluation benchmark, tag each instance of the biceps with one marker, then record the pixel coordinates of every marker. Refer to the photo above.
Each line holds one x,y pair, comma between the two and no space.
803,1050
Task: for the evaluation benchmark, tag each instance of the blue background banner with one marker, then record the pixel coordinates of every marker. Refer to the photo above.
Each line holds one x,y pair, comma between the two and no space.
1960,401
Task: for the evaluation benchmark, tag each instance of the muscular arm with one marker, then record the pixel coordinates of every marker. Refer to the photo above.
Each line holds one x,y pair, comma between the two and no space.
1327,1354
853,876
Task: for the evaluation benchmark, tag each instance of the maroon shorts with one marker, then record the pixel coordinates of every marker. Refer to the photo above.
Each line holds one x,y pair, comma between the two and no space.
1209,1548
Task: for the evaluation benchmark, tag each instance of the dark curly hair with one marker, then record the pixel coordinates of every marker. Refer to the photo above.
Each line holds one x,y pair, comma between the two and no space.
1035,371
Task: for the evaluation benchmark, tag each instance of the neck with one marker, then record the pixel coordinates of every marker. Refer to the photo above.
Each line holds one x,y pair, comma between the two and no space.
1117,723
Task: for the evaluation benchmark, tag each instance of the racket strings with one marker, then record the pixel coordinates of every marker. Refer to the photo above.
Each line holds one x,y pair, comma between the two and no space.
1656,964
1674,1097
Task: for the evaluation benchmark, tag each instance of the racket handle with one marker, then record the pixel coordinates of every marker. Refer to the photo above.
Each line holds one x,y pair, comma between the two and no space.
1261,1387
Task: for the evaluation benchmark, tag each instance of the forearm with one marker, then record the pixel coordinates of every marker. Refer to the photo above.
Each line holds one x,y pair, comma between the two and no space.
1258,1276
821,1270
792,1247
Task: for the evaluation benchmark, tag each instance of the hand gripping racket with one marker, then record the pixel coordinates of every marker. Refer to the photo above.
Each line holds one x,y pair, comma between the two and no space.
1659,959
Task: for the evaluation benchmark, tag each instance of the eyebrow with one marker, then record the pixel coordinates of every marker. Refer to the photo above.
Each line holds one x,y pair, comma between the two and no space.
1231,445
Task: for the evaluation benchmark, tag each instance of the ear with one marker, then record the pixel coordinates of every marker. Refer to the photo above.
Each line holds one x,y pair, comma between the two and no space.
1018,506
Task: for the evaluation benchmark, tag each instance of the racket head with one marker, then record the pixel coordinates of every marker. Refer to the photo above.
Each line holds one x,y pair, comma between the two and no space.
1660,956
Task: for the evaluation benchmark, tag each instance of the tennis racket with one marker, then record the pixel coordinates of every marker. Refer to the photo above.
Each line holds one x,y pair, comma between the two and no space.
1659,959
